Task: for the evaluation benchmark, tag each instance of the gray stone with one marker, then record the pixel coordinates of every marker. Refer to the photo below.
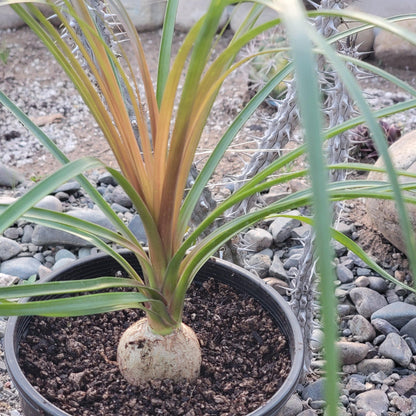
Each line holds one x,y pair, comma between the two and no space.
118,208
43,272
13,233
316,340
344,274
293,261
383,326
409,329
84,252
9,19
314,391
259,264
277,284
357,261
120,197
45,236
293,406
63,262
396,348
406,386
64,254
257,239
363,271
351,352
301,232
27,234
373,400
361,329
355,385
22,267
68,187
281,227
383,213
392,50
362,281
7,280
377,378
276,269
137,228
8,248
378,284
189,12
403,404
411,342
374,365
367,301
50,202
308,412
241,11
106,178
397,313
8,176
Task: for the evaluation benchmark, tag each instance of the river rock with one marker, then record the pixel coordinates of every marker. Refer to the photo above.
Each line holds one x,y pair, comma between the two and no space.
189,12
406,386
383,326
396,348
276,269
383,213
409,328
257,239
7,280
351,352
50,202
22,267
137,228
9,19
146,15
314,391
8,176
119,196
46,236
344,274
281,227
259,264
397,313
373,400
8,248
392,50
293,406
361,329
374,365
241,11
366,300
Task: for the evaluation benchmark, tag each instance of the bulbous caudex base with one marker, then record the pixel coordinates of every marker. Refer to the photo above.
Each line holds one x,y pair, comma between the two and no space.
143,355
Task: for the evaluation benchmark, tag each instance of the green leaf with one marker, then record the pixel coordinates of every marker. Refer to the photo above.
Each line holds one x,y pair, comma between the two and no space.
77,305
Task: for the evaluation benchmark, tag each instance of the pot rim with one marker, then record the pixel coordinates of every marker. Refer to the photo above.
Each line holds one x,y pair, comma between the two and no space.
290,327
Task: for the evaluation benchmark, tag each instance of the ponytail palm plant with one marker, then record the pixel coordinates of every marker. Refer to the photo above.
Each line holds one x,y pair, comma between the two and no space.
154,133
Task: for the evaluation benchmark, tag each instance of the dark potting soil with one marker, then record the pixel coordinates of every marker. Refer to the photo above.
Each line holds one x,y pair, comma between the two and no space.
72,361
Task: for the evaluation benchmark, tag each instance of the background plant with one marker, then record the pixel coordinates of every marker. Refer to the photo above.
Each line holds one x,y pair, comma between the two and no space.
150,166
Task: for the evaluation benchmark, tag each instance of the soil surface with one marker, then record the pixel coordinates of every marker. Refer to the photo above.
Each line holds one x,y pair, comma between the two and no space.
245,359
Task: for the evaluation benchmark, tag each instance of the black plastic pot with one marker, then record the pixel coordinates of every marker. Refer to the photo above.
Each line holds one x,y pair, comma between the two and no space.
34,404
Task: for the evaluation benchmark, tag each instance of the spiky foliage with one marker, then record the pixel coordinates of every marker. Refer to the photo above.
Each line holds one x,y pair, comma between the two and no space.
363,148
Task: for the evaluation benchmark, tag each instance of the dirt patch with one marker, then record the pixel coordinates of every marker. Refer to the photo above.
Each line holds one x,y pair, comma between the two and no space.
245,360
